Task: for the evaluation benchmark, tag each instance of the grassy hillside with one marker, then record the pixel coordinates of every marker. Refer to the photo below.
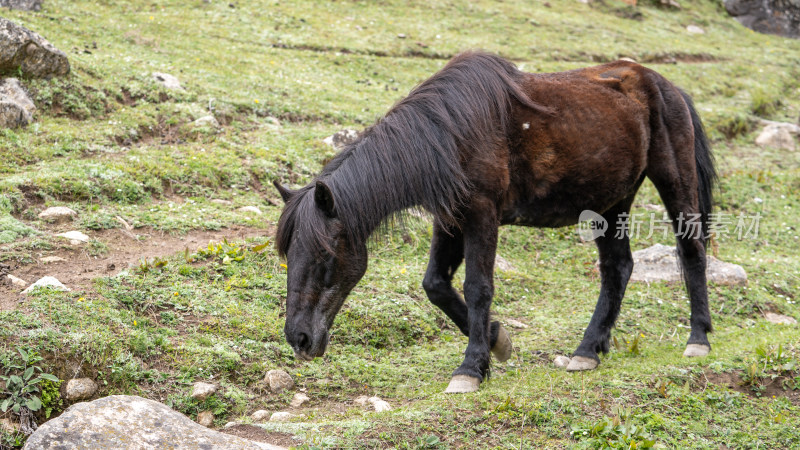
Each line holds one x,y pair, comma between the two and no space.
146,317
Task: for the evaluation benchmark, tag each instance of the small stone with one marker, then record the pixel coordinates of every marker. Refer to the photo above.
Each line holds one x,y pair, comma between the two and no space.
298,400
379,404
205,418
777,135
694,29
80,389
401,36
260,415
231,424
279,380
18,282
75,237
340,139
660,263
57,214
202,391
502,264
282,417
515,323
250,209
220,201
561,361
167,80
361,400
51,259
780,319
46,282
206,121
16,106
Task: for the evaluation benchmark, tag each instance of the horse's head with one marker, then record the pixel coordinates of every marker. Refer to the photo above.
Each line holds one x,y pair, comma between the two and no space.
323,265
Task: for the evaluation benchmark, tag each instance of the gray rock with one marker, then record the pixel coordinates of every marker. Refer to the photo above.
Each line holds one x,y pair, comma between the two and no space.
22,5
16,107
502,264
694,29
80,389
205,418
51,259
282,417
361,400
167,80
279,380
18,282
379,404
781,17
57,214
260,415
202,391
220,201
250,209
24,50
206,121
46,282
298,400
778,135
74,237
128,422
340,139
780,319
514,323
660,263
561,361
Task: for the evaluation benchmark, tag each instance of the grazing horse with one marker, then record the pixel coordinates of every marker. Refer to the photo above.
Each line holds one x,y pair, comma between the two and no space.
481,144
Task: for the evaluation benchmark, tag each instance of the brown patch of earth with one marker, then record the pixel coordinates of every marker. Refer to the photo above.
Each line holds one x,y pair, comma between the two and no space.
258,434
126,249
770,387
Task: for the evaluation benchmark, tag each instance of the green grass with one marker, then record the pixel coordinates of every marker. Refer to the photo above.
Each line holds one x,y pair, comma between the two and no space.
279,76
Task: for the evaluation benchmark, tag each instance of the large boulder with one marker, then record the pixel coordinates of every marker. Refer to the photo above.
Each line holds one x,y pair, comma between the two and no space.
24,50
16,107
660,263
778,134
123,421
781,17
22,5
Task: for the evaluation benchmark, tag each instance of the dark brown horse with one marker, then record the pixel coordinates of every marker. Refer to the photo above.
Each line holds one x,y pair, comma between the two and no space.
481,144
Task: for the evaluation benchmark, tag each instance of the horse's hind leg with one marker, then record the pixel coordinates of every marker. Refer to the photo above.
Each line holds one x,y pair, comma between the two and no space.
616,264
447,253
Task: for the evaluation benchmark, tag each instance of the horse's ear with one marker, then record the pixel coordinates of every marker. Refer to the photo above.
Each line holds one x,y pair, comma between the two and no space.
286,194
324,199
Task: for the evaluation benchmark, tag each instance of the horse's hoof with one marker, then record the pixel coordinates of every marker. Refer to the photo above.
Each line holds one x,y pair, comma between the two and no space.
693,350
581,363
502,348
462,384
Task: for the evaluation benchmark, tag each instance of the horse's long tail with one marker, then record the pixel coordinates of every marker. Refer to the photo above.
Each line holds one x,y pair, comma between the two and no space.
706,172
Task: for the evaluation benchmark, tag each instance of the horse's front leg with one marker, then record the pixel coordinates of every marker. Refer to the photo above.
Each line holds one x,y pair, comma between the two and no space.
480,245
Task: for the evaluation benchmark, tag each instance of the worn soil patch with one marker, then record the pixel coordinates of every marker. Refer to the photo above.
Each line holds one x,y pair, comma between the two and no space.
126,249
771,387
259,434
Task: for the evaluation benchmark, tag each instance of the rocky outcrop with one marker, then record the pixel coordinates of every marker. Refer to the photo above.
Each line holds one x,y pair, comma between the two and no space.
778,134
22,5
16,107
122,421
781,17
22,50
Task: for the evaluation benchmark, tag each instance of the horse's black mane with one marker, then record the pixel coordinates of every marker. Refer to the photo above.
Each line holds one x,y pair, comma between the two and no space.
412,156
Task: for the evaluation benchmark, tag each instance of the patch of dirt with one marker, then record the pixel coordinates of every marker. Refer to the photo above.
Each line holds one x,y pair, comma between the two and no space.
259,434
126,249
771,387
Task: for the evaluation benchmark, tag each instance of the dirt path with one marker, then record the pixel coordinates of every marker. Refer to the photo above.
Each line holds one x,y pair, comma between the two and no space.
125,250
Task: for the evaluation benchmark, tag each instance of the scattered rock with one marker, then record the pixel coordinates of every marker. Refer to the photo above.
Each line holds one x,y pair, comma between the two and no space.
75,237
205,418
361,400
282,417
22,5
379,404
250,209
260,415
781,17
660,263
46,282
57,214
168,81
80,389
122,421
206,121
340,139
513,323
561,361
26,51
778,135
16,107
220,201
694,29
780,318
502,264
401,36
279,380
51,259
298,400
202,391
18,282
